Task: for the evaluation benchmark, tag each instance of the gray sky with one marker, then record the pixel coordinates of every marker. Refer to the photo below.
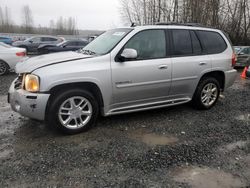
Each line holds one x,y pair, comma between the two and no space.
90,14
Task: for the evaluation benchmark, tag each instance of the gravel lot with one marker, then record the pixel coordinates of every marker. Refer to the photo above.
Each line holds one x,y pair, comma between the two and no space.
171,147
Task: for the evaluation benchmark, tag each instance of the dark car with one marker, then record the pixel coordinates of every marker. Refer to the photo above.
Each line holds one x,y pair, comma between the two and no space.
6,40
243,56
32,44
71,45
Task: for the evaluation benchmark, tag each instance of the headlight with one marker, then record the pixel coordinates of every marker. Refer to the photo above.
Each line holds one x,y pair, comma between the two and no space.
31,83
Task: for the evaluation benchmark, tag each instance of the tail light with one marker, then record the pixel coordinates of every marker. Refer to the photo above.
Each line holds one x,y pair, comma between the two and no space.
233,60
21,54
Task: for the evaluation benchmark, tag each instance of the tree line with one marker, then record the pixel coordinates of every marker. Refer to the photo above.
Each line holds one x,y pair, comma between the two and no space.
62,26
233,17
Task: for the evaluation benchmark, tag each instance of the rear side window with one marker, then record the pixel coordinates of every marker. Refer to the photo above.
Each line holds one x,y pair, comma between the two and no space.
71,44
212,42
182,42
47,39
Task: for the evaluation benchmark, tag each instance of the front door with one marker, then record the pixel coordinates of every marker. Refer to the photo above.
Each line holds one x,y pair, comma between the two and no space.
146,78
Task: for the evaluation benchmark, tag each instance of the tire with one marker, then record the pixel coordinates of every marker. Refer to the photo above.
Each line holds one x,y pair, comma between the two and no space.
68,113
208,87
4,68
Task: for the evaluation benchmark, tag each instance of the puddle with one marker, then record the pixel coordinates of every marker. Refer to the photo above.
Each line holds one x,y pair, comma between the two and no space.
207,178
233,146
5,151
245,117
153,139
236,145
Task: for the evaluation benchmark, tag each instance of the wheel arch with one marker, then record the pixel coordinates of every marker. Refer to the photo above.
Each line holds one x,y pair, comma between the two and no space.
5,63
88,86
218,75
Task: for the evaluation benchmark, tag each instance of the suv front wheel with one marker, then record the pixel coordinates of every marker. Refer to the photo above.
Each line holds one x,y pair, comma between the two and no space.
73,111
207,93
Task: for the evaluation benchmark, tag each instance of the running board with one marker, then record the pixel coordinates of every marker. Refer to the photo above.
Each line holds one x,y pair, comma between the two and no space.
148,106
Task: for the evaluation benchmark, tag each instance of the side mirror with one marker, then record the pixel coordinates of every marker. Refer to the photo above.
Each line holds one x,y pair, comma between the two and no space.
31,41
128,53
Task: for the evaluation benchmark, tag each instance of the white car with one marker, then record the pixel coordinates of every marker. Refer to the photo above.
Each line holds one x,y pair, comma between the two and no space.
9,57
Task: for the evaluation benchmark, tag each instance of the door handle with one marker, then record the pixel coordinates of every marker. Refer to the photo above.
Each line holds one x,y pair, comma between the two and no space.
161,67
202,63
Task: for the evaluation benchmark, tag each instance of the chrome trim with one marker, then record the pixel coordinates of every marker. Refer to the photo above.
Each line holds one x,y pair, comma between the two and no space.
185,78
142,83
148,106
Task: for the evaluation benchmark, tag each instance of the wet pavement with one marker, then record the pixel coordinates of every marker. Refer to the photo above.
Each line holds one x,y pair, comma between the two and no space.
170,147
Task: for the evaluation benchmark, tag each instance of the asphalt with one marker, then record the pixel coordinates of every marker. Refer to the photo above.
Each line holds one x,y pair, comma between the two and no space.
170,147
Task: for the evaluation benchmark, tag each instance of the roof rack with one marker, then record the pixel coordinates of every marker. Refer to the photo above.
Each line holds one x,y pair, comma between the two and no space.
133,24
182,24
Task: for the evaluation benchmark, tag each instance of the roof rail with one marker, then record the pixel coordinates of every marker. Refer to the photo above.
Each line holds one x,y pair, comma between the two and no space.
183,24
133,24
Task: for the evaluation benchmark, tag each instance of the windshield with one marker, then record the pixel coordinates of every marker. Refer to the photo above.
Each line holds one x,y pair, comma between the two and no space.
106,42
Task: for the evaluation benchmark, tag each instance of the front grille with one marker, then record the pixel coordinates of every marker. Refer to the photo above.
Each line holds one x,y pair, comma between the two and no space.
18,83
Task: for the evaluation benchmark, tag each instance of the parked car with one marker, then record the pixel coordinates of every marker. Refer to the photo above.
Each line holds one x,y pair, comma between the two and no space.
32,44
237,48
9,57
125,70
71,45
6,40
243,56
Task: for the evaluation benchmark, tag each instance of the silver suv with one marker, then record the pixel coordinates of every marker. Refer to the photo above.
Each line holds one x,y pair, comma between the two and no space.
125,70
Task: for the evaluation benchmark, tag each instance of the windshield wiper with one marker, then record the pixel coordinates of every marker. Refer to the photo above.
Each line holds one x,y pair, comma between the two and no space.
87,52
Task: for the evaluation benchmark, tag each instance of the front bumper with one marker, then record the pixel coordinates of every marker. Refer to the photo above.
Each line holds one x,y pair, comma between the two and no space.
230,77
32,105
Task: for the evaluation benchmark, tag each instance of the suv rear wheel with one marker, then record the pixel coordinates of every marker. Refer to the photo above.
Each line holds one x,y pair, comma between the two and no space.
207,93
73,111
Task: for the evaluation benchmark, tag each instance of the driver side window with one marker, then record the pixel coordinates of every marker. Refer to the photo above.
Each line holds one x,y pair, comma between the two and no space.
36,40
149,44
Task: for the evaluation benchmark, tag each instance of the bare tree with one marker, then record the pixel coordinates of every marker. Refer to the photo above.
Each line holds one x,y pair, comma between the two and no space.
230,16
27,19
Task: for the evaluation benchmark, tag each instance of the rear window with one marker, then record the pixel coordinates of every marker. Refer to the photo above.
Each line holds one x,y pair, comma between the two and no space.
212,42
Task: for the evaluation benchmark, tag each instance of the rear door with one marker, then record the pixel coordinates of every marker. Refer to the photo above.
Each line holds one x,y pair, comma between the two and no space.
146,78
189,62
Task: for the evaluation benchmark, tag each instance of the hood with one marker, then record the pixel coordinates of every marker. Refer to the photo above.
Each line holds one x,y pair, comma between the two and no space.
34,63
